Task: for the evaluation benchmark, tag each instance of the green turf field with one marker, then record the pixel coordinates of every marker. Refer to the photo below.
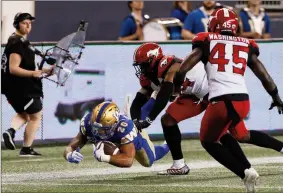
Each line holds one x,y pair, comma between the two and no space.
51,173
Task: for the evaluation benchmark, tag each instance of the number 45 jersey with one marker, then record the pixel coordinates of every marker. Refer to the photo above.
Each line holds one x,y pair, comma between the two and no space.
225,58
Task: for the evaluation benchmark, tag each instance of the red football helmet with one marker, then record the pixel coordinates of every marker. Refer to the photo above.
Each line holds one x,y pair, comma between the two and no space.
146,58
223,20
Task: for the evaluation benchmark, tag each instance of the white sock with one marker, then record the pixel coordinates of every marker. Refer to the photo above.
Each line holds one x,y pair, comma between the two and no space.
281,150
179,163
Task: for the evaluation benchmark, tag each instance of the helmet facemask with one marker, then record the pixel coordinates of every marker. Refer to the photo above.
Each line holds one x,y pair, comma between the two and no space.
102,133
142,69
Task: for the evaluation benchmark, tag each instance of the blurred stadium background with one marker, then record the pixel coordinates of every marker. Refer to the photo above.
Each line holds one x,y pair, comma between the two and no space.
100,77
105,18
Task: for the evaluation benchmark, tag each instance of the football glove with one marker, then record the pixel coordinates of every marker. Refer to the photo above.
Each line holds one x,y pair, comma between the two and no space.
277,103
142,124
75,156
98,152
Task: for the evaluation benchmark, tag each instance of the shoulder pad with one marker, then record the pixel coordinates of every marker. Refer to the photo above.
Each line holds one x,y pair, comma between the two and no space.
200,37
165,64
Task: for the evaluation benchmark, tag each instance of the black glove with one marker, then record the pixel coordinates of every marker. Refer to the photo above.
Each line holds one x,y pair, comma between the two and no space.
142,124
277,103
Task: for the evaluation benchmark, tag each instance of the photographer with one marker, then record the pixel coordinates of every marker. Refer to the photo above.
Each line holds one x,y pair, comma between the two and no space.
22,86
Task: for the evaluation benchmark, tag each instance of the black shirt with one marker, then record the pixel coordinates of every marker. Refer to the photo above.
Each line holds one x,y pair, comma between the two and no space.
15,85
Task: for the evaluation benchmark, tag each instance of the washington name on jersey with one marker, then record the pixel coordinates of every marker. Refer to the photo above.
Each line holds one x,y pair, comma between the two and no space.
225,58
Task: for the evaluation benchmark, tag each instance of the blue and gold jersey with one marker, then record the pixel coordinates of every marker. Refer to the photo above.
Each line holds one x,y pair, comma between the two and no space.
125,131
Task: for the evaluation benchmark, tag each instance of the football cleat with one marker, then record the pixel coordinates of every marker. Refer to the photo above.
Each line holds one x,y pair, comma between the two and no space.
175,171
29,153
251,176
8,137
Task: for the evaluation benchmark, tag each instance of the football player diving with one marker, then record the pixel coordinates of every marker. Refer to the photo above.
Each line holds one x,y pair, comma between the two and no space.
106,123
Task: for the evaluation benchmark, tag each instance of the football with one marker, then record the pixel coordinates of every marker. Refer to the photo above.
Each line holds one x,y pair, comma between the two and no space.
110,148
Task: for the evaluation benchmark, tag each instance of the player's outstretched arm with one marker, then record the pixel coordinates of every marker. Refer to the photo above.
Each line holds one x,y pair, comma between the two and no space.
140,99
165,91
261,73
123,159
71,152
147,107
162,97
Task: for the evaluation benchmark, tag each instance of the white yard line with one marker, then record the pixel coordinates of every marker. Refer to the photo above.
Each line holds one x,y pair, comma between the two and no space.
33,159
138,185
21,177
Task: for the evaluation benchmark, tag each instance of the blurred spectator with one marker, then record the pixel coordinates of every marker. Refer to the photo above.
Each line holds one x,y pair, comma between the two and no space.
197,20
132,25
255,21
180,11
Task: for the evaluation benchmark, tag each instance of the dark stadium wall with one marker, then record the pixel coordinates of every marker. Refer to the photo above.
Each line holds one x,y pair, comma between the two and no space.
56,19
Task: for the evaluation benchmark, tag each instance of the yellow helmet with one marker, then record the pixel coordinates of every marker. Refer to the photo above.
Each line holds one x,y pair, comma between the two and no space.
104,118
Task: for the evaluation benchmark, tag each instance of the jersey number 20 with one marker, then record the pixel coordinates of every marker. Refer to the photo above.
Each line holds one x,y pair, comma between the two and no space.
221,61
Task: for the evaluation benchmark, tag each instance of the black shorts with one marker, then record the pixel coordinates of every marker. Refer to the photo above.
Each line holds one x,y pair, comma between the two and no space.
26,104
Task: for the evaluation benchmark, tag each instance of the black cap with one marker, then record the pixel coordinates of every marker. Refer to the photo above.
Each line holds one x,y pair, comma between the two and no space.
22,16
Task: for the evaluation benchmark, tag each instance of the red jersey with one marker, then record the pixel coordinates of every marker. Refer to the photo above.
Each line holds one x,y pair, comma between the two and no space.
225,58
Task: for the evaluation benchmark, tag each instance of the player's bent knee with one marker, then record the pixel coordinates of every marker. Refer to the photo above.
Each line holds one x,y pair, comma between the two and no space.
242,137
168,120
146,161
205,138
147,164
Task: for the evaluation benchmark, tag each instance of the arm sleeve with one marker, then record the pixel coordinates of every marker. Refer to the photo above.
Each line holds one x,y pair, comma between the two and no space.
16,47
253,49
198,41
147,107
162,99
137,104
